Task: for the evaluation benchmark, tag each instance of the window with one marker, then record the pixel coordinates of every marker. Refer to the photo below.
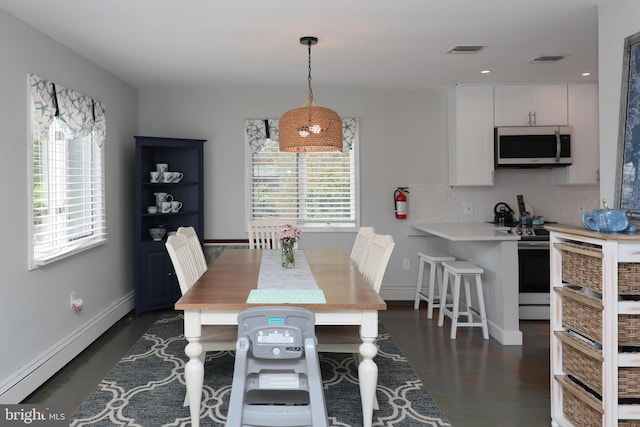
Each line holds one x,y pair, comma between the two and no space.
319,191
67,175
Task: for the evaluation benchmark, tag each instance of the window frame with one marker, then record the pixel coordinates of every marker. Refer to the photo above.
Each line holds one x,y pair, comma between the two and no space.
71,167
306,226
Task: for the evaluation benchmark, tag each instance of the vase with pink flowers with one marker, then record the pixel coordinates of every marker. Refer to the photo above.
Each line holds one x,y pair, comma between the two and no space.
288,237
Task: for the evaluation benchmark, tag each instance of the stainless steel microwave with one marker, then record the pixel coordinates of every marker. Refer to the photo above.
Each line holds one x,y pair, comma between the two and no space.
532,146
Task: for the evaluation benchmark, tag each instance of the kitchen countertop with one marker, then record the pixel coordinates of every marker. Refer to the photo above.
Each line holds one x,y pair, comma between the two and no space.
581,231
472,231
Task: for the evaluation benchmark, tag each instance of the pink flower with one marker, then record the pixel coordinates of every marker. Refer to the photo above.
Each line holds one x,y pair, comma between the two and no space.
289,233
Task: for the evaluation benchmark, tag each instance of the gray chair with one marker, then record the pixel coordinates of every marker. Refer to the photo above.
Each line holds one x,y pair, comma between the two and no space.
276,376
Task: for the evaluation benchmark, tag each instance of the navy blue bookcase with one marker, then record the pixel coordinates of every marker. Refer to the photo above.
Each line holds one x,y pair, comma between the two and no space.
156,284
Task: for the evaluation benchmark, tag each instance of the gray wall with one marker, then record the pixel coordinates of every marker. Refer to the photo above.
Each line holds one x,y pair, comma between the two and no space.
36,322
402,141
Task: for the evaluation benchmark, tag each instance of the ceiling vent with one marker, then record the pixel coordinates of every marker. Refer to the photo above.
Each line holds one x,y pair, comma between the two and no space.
465,49
546,59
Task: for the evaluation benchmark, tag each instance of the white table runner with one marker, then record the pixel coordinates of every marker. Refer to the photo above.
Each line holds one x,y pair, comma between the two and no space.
274,276
278,285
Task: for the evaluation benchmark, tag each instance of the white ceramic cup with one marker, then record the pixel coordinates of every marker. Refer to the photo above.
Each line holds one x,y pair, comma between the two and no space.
177,176
176,206
152,209
154,177
162,197
162,167
167,177
165,207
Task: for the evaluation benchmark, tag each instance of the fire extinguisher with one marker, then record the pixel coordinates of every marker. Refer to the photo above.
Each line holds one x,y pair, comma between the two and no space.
400,202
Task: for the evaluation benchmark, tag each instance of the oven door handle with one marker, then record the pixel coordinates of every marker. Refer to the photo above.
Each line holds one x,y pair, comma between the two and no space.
536,244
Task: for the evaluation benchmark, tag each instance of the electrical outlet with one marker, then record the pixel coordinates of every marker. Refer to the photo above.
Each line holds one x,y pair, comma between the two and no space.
582,208
73,298
468,208
406,264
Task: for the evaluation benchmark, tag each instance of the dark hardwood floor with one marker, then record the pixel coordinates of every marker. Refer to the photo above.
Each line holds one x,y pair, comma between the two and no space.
476,382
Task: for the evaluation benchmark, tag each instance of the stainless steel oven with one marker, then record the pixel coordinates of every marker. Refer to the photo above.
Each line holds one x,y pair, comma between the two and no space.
533,259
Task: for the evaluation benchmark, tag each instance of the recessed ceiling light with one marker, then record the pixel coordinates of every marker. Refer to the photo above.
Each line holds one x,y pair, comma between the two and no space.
586,74
485,71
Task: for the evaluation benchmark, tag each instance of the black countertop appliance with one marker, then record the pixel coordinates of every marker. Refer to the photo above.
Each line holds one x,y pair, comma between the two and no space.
503,215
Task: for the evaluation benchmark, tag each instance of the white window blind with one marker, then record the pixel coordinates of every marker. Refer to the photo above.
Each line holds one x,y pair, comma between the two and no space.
68,197
316,190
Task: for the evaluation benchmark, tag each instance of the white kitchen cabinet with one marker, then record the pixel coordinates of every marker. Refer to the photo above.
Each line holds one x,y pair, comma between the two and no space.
530,105
583,119
471,161
595,285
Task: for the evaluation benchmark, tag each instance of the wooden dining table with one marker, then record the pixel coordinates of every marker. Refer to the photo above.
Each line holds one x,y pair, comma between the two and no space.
222,292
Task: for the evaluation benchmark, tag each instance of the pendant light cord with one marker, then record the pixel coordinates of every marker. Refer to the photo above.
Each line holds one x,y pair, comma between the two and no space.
309,78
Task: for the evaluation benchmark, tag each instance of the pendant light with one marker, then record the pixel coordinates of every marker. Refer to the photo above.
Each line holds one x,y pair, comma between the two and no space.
310,127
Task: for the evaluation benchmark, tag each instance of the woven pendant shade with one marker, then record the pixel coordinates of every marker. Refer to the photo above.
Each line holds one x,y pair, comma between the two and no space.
309,127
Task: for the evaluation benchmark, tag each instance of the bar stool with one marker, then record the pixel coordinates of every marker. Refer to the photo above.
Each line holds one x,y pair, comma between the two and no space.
465,270
435,267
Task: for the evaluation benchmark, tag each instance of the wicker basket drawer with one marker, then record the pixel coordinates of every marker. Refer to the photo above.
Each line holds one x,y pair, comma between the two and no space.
583,315
582,408
584,362
582,266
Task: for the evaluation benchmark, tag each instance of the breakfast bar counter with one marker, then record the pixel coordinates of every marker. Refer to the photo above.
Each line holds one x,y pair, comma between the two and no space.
496,251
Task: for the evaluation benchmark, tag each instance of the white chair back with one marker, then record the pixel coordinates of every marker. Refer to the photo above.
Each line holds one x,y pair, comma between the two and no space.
183,263
361,245
194,246
263,233
377,259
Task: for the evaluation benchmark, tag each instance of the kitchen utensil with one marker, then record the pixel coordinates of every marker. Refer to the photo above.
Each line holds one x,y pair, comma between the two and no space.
503,214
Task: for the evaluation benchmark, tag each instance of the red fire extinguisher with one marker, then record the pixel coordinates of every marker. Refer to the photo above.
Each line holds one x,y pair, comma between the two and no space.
400,202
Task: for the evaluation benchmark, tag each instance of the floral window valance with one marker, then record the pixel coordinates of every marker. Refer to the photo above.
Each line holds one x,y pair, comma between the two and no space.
258,131
80,113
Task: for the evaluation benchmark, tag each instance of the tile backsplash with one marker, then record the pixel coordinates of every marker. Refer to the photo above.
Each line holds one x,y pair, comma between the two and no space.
560,203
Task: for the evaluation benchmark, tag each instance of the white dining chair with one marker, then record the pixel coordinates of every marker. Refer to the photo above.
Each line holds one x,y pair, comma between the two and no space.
213,337
263,233
361,245
377,259
197,254
346,339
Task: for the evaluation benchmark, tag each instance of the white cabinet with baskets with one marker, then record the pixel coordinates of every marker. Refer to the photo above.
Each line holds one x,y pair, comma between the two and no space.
595,328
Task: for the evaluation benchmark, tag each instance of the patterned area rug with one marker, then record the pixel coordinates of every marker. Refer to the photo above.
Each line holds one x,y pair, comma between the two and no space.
146,388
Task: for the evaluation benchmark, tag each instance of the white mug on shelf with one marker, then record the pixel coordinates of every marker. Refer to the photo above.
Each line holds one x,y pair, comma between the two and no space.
167,177
154,177
165,207
162,197
176,206
177,176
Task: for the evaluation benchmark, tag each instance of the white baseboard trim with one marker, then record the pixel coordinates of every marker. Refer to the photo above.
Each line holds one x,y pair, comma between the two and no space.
398,293
38,370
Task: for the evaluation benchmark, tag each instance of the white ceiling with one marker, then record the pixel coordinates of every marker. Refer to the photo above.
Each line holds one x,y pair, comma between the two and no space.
364,44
